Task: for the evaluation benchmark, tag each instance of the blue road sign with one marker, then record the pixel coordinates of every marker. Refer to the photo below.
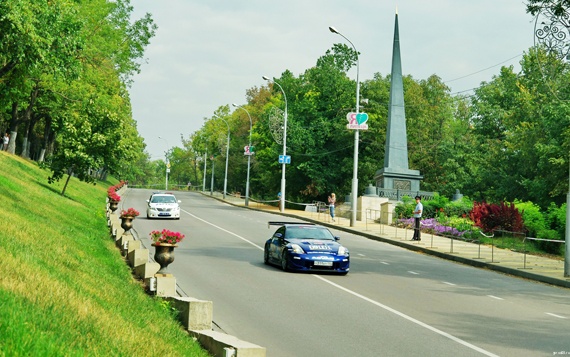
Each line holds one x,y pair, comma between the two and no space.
284,159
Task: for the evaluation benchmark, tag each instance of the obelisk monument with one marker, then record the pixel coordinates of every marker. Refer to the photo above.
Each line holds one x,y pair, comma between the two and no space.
396,174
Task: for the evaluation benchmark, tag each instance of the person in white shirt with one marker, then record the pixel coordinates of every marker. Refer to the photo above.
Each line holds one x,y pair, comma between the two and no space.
6,141
417,218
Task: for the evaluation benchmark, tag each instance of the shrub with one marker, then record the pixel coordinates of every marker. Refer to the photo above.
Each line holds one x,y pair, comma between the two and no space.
490,217
459,208
433,206
405,208
533,219
556,218
549,247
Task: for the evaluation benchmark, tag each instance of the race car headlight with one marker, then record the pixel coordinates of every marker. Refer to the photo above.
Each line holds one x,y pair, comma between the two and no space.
297,249
343,251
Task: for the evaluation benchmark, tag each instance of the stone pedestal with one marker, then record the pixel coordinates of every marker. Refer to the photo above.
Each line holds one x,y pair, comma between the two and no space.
369,203
123,241
387,212
138,257
165,285
146,270
193,313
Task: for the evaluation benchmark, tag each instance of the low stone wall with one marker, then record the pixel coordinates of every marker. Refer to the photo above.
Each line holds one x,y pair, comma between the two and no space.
195,315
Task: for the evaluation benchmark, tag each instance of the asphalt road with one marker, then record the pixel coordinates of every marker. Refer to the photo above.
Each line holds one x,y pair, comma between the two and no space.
393,302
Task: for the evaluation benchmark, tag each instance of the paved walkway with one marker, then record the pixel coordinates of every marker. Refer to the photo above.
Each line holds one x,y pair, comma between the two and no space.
538,268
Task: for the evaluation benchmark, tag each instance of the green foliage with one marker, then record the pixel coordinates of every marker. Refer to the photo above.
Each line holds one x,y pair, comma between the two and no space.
434,206
522,124
533,219
405,209
556,218
459,223
64,70
459,208
550,247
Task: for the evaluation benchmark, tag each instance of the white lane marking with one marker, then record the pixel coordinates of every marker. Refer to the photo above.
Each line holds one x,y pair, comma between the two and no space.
413,272
362,255
448,283
495,297
225,230
385,307
385,263
409,318
551,314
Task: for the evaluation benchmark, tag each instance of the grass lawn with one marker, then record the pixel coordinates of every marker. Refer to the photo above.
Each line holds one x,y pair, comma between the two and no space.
65,289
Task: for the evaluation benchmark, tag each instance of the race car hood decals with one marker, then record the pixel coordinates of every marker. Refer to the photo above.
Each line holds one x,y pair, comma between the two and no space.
317,246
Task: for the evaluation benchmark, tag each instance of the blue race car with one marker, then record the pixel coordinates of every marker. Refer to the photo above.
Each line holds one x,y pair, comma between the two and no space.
306,247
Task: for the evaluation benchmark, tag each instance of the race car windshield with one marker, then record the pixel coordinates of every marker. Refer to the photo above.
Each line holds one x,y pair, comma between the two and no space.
308,233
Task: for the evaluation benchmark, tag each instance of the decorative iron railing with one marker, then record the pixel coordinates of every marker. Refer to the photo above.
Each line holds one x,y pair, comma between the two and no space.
397,194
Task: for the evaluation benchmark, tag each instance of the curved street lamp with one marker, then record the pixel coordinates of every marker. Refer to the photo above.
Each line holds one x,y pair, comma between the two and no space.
248,156
227,156
167,163
554,35
356,135
282,198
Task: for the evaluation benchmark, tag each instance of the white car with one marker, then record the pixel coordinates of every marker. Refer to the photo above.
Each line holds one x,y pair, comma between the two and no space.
163,205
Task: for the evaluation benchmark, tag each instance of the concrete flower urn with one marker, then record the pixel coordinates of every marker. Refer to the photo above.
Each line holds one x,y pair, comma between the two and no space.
113,205
164,255
127,223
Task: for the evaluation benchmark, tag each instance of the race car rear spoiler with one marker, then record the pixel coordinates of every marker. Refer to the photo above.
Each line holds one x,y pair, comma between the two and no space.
278,223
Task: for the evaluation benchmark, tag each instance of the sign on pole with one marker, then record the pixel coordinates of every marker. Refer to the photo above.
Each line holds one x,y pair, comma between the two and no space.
248,150
357,121
284,159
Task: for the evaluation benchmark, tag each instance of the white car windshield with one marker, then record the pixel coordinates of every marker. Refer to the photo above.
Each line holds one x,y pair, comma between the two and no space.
163,199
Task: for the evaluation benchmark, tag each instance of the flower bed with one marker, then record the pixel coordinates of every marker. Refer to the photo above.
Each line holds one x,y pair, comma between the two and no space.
431,225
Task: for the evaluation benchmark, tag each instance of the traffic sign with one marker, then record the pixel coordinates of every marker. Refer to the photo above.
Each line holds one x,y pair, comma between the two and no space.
284,159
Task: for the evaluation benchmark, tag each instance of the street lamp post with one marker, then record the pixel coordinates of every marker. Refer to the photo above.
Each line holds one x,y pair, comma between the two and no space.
248,156
282,198
167,163
227,156
553,35
212,179
354,193
205,161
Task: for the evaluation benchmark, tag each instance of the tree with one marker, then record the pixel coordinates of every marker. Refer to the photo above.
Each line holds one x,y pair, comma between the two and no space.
522,122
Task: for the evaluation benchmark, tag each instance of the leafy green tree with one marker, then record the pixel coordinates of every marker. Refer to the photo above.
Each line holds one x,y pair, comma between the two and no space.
523,132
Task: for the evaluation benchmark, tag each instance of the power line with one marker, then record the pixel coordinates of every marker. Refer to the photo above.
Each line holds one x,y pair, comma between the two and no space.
482,70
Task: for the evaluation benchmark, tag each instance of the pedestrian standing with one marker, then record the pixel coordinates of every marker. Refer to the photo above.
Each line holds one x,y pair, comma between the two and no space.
332,201
417,218
6,141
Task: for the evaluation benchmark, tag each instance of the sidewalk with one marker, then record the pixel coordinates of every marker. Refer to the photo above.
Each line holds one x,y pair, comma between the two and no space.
526,266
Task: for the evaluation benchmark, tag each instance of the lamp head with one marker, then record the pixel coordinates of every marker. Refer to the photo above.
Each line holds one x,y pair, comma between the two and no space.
265,77
333,30
235,105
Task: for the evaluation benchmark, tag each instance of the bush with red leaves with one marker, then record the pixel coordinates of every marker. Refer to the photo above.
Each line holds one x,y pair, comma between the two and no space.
490,217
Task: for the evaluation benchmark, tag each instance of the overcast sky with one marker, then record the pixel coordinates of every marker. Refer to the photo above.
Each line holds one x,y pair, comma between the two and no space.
207,53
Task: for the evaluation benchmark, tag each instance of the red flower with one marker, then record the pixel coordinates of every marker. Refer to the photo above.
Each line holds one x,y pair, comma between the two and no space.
130,212
166,237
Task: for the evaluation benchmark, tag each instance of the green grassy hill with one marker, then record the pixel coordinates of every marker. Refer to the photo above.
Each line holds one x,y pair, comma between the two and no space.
65,290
